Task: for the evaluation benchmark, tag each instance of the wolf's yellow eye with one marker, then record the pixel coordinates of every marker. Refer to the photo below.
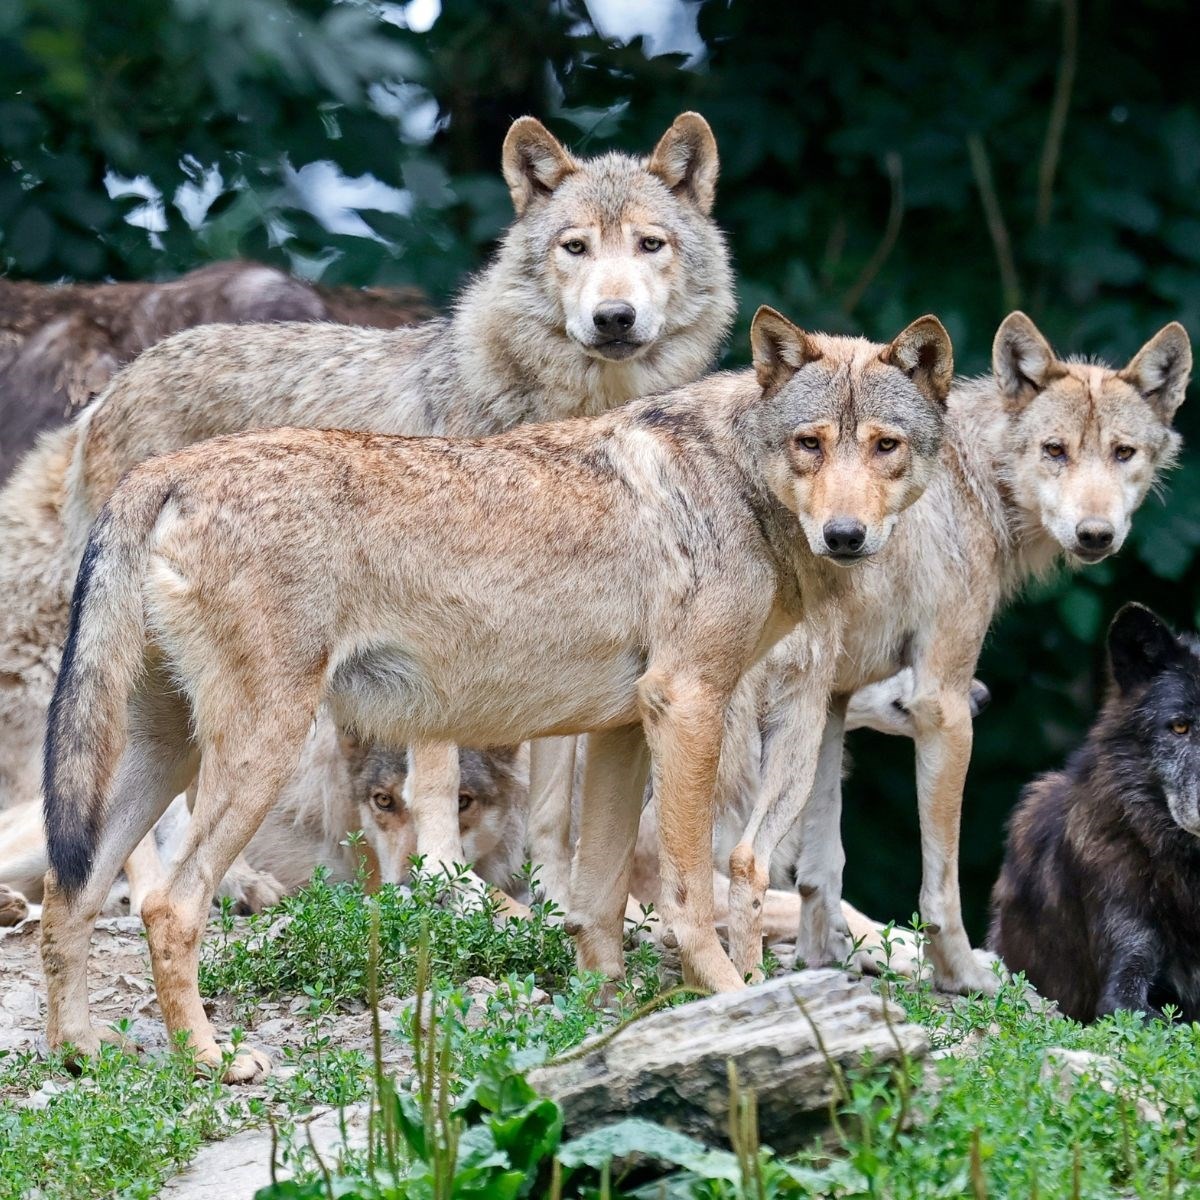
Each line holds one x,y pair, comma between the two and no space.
651,244
809,443
1181,727
886,445
575,246
383,800
465,800
1054,450
1124,453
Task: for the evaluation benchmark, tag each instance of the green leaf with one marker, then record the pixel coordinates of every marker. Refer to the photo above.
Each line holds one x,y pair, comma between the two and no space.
635,1135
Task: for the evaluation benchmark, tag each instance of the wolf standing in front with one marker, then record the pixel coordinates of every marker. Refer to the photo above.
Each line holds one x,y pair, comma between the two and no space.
1098,901
229,589
612,283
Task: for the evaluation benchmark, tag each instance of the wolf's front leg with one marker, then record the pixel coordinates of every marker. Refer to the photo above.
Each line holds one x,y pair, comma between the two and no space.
943,746
792,742
684,719
431,793
824,935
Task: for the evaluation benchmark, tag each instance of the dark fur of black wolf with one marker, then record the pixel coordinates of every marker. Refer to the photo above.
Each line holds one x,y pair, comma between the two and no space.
1098,901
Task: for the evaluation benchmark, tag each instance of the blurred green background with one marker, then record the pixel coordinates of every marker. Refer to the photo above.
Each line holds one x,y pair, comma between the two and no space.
878,161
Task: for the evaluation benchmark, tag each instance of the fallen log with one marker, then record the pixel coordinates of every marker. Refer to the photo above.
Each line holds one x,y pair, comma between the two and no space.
783,1037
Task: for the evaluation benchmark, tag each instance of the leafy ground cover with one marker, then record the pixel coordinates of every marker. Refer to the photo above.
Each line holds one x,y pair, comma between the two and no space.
995,1112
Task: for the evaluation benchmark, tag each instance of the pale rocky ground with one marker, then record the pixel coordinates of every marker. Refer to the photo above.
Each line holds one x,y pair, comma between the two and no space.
121,986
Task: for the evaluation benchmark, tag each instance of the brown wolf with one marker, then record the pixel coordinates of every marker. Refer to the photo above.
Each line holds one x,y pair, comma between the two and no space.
613,282
1047,460
60,344
607,574
1098,901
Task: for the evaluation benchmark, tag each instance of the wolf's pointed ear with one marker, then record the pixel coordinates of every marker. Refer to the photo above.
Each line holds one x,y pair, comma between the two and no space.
1022,361
778,347
1140,646
923,352
1160,369
685,159
534,162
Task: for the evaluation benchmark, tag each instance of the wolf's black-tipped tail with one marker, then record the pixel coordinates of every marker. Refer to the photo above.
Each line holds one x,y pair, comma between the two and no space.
87,724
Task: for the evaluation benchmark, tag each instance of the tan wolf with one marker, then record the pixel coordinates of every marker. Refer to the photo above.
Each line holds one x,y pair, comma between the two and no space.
1044,462
613,574
613,282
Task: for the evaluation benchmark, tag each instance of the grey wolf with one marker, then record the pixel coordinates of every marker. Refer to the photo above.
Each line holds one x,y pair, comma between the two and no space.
613,282
616,574
343,787
58,347
1043,463
60,344
1098,901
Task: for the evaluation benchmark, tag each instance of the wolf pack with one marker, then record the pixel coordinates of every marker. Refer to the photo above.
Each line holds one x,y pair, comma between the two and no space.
527,583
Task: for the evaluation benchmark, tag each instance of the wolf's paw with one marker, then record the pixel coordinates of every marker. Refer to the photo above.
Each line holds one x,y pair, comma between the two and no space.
85,1043
247,1066
973,974
824,947
14,908
251,890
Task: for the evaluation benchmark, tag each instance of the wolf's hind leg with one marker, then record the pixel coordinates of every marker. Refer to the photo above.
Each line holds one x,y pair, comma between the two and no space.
548,827
241,775
614,783
157,761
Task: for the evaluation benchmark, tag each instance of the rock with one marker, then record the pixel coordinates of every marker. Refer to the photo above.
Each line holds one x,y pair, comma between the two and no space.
1063,1067
672,1066
237,1167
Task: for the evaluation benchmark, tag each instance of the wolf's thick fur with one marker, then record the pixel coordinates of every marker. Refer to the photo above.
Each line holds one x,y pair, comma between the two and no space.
1047,460
617,574
60,344
524,343
1098,901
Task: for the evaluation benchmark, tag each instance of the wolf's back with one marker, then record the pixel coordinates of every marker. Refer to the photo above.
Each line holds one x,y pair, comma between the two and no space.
102,658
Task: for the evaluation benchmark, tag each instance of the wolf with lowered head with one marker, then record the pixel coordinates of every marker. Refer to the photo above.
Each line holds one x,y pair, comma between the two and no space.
616,574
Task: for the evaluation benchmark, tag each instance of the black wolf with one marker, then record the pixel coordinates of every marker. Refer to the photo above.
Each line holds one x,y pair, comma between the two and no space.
1098,901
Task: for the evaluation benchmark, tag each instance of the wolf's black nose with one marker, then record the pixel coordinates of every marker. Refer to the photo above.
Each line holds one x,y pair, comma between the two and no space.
844,535
614,317
1094,536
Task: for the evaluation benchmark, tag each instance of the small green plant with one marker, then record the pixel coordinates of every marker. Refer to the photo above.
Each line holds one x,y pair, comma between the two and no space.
318,938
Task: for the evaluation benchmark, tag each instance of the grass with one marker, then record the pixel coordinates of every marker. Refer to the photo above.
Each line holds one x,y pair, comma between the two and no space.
988,1120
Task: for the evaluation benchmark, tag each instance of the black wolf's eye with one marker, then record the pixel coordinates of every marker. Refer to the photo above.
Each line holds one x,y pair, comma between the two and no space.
651,244
1181,727
1054,450
383,800
1124,453
886,445
575,246
465,800
809,443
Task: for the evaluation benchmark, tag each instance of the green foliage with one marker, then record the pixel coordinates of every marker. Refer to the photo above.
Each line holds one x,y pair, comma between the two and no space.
126,1124
873,167
317,942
